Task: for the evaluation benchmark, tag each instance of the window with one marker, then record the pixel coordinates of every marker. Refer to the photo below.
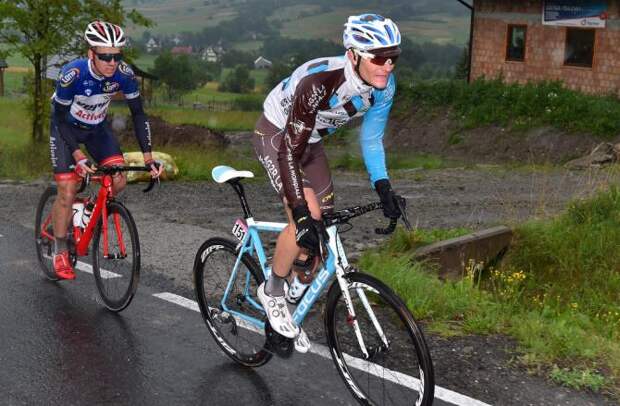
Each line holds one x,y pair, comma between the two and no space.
515,49
579,49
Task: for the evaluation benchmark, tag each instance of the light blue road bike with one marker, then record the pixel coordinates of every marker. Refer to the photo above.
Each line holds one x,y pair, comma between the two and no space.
376,345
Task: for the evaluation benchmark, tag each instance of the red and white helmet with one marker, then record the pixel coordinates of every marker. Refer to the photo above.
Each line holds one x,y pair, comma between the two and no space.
102,34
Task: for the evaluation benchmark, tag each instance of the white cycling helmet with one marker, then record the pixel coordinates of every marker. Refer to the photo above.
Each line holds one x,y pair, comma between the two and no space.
102,34
371,32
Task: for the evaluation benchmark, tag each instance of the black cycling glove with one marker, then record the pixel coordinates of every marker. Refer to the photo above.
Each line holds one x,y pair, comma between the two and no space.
308,229
388,198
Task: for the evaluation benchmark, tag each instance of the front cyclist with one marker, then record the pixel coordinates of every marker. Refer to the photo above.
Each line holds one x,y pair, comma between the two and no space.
83,93
320,96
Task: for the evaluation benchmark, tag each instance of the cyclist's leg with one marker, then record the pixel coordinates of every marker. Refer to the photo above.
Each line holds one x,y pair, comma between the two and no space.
267,140
103,146
66,182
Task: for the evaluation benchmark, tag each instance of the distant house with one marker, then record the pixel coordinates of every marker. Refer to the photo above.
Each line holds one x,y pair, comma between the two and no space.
152,45
182,50
575,42
209,55
262,63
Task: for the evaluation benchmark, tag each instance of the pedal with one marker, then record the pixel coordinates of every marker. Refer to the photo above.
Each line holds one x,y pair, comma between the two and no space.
277,343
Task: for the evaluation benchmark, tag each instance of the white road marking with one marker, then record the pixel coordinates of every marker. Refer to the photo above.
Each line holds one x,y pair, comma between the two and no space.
397,377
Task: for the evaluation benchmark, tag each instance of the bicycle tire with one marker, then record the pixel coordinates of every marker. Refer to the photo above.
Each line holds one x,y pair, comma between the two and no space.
116,279
45,246
210,281
408,378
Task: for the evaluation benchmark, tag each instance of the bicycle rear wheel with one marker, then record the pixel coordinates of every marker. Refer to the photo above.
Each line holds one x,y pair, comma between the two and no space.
398,368
116,262
43,232
239,339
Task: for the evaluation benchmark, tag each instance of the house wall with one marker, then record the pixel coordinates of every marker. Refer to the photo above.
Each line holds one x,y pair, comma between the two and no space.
545,45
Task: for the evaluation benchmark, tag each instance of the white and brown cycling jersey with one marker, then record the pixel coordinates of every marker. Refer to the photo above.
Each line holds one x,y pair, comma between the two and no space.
320,96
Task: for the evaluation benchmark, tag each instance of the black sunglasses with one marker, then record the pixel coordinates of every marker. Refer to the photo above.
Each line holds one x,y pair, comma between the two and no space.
110,57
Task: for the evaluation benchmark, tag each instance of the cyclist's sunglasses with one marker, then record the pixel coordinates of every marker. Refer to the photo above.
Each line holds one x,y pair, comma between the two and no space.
382,60
379,60
110,57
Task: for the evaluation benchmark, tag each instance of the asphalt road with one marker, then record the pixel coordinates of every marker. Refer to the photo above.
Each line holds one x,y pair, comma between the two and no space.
61,346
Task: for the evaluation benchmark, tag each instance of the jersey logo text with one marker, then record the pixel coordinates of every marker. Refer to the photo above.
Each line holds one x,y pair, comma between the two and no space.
69,77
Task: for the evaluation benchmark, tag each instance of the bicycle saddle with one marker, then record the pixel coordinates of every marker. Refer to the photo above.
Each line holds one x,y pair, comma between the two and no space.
222,173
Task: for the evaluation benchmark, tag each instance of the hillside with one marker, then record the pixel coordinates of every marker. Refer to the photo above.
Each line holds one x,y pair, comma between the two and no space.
420,20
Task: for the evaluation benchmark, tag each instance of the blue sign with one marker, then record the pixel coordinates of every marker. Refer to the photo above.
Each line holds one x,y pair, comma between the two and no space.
575,13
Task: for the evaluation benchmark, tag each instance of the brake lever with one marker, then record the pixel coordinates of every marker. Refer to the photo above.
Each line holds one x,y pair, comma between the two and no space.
85,182
151,185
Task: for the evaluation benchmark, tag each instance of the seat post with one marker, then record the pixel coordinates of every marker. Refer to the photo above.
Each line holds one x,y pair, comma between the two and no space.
238,187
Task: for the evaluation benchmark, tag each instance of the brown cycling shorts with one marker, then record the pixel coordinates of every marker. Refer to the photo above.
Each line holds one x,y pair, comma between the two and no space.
313,164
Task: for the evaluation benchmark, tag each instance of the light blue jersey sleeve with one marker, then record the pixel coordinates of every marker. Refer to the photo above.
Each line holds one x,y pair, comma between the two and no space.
373,128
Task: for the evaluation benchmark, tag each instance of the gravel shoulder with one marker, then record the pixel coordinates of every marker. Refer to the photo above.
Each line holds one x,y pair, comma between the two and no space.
177,217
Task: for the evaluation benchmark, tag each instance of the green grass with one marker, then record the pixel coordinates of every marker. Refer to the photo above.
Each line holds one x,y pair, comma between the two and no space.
247,46
557,292
14,83
259,75
17,60
209,92
145,61
439,29
218,121
172,17
19,157
197,163
519,107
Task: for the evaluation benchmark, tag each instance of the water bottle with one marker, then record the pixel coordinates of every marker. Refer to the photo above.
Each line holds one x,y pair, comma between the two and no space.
88,210
78,212
295,290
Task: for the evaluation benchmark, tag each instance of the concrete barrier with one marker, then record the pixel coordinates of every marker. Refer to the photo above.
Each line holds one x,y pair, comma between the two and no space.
452,256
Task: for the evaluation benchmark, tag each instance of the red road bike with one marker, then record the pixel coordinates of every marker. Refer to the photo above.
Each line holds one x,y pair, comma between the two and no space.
115,259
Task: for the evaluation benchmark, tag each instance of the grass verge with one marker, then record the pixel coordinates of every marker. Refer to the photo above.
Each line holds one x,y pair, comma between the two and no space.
521,107
557,293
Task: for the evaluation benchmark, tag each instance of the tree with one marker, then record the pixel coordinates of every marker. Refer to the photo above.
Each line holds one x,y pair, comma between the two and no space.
180,74
38,29
277,72
238,81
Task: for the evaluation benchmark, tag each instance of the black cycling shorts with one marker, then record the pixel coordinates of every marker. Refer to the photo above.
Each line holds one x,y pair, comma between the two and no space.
99,142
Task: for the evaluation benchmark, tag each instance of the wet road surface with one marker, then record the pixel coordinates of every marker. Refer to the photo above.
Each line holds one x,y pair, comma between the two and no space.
60,346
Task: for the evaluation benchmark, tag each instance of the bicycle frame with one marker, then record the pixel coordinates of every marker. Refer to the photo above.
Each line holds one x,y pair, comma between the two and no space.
83,238
251,243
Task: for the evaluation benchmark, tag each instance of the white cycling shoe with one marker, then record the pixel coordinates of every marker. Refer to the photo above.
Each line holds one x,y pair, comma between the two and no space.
277,313
302,342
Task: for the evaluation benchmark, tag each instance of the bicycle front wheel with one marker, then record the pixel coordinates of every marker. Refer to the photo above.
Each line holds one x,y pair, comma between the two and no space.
43,232
225,301
386,361
116,257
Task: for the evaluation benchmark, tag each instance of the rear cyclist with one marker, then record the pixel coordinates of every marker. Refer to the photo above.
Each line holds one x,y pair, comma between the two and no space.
320,96
83,93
